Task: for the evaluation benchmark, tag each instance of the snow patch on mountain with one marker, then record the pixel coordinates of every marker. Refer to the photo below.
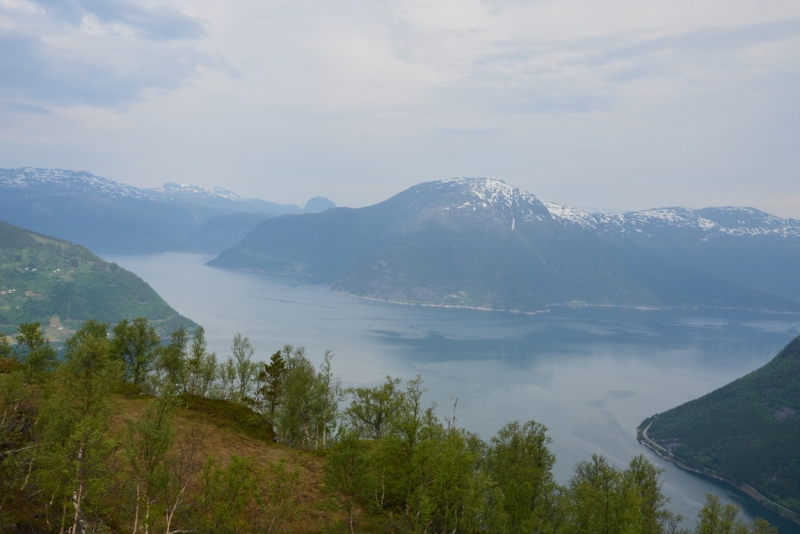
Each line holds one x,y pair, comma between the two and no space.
505,203
61,181
729,220
576,216
204,191
514,204
491,192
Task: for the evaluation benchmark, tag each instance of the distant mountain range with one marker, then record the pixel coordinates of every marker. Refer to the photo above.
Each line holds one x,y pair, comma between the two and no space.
747,432
61,285
108,216
478,242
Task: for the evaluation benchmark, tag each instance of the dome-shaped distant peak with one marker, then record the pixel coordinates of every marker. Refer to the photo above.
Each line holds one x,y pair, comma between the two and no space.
319,204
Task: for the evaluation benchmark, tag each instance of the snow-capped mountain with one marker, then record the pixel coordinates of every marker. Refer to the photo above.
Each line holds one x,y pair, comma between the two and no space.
105,215
29,182
203,191
517,206
480,242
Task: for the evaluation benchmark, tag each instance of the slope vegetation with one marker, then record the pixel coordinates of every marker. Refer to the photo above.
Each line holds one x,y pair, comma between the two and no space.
42,277
747,432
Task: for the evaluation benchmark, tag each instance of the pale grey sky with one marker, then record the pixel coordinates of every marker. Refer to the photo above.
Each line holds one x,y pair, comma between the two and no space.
624,104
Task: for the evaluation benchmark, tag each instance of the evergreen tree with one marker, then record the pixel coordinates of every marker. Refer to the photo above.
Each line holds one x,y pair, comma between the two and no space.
270,379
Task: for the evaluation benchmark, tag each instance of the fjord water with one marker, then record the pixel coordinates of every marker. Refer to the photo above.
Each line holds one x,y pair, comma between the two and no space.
591,375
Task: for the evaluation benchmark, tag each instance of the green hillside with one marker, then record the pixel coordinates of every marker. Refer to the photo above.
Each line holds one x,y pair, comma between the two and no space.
747,432
48,280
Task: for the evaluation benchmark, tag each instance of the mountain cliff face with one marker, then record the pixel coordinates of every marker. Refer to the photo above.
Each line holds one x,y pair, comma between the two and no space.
108,216
479,242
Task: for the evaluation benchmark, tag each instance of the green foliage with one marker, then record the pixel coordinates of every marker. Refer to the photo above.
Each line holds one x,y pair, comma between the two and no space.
345,471
747,431
171,363
242,352
307,407
146,443
270,390
36,354
372,410
74,437
717,519
202,366
64,469
135,342
5,347
519,460
231,415
236,498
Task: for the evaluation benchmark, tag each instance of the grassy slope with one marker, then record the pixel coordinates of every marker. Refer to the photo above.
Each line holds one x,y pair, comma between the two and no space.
747,431
228,429
51,277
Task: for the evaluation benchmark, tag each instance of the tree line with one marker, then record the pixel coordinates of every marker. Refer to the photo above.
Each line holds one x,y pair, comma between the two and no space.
390,463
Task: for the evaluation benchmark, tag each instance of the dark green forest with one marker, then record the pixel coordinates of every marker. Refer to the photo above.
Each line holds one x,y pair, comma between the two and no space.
747,432
129,434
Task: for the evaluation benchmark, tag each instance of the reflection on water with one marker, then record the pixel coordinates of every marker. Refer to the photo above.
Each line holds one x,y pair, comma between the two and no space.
590,375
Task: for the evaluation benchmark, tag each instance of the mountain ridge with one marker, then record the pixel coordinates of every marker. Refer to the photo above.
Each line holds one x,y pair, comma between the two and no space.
106,215
479,242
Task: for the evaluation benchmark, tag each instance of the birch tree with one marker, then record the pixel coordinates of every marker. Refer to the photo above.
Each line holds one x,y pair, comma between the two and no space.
74,434
242,352
147,441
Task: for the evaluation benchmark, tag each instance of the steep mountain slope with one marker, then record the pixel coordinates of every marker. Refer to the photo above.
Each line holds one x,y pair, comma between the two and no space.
96,212
747,432
42,278
223,231
481,243
109,216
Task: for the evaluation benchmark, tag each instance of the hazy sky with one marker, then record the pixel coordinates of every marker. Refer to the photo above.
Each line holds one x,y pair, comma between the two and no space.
609,103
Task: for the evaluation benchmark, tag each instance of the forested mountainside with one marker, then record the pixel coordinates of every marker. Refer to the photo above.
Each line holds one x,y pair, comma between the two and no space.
128,435
747,432
478,242
50,280
105,215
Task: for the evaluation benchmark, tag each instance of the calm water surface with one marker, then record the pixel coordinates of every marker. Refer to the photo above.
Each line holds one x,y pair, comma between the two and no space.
590,375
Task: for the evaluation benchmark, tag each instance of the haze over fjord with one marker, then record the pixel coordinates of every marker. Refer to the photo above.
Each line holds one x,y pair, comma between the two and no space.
613,104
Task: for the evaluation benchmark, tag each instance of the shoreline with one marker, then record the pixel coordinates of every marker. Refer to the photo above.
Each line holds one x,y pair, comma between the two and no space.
547,309
752,493
431,305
